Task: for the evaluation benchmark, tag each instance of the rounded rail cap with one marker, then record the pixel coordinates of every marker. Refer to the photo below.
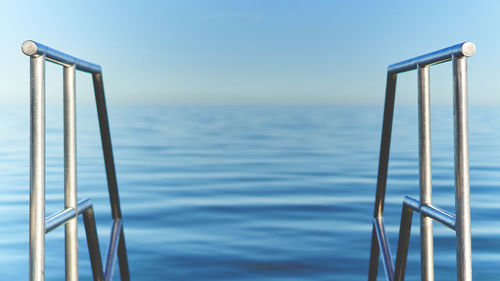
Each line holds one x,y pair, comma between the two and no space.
29,48
468,49
465,49
32,48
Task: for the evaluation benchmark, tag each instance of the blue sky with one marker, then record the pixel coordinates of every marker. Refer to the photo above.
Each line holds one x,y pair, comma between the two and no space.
250,52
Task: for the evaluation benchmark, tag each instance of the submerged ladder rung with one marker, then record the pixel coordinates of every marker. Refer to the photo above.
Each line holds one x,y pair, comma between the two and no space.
444,217
85,208
57,219
409,205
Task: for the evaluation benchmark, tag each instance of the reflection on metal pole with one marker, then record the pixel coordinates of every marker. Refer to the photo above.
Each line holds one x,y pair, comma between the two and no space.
37,169
462,195
424,132
70,191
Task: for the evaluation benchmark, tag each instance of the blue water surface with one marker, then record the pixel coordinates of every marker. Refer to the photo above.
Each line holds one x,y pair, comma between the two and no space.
250,192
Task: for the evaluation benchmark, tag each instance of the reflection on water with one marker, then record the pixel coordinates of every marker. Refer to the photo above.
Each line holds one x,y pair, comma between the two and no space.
250,193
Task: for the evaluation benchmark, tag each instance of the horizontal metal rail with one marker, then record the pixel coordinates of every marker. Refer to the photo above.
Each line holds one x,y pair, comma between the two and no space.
439,215
32,48
412,203
465,49
62,217
435,213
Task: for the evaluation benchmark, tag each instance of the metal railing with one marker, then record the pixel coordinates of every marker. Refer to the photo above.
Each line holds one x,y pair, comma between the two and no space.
461,222
39,224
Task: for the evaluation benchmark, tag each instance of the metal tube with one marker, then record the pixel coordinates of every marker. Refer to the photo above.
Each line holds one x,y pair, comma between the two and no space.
424,132
32,48
465,49
70,189
462,197
439,215
122,256
385,145
113,249
374,256
412,203
37,169
403,242
435,213
54,221
93,244
107,149
384,246
83,205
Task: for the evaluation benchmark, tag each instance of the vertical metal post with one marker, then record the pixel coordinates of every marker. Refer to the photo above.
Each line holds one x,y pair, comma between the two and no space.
70,189
107,149
382,170
403,243
93,245
122,256
374,256
37,169
462,197
424,132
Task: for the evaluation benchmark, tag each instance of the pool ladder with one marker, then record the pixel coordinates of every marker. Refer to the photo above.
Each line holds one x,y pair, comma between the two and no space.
39,224
460,222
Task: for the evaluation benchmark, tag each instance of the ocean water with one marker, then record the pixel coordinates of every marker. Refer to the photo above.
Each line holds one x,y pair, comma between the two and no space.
250,193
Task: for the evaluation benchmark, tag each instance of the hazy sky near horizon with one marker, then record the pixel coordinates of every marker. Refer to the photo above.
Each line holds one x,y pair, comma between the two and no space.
250,52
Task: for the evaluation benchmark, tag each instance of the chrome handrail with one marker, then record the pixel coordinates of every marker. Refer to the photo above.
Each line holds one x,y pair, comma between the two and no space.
39,224
461,222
